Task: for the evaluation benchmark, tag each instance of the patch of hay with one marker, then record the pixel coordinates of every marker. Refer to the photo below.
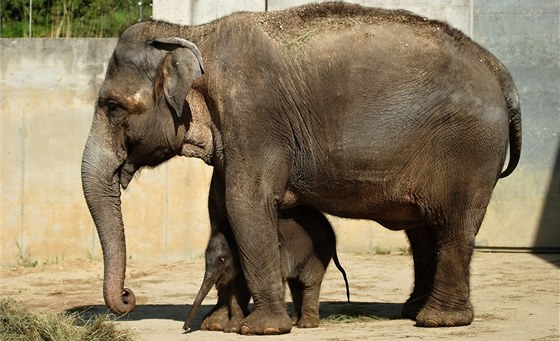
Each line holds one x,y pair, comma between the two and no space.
17,322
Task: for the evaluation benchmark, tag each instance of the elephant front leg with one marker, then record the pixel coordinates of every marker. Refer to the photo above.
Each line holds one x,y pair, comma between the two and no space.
254,220
260,259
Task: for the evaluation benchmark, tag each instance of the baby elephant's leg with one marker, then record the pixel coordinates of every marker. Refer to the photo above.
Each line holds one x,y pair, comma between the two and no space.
217,319
309,317
296,290
238,305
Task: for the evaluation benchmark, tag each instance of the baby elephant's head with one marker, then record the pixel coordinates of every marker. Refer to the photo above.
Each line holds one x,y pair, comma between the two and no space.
222,264
222,268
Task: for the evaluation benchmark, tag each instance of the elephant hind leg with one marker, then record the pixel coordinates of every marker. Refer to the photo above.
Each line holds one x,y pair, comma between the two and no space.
449,302
424,249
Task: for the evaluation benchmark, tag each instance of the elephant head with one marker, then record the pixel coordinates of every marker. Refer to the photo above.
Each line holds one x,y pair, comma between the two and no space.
222,270
140,119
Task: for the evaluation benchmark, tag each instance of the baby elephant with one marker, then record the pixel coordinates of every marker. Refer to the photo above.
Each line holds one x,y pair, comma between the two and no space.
307,244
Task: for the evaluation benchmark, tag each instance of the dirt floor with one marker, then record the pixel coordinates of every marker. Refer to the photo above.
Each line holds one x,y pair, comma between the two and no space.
516,297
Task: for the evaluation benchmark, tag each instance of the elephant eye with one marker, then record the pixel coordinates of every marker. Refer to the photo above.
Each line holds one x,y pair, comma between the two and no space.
116,111
221,259
114,107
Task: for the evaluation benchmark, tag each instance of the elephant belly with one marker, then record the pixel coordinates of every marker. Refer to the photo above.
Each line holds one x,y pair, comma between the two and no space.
394,216
394,211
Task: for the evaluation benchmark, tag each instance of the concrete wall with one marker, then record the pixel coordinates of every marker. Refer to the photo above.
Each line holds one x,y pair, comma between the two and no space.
47,93
525,35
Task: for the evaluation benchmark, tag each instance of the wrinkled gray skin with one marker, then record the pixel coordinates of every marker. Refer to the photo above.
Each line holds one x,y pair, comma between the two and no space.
361,113
307,244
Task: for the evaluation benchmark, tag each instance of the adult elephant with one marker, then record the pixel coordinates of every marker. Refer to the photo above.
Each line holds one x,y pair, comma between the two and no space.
359,112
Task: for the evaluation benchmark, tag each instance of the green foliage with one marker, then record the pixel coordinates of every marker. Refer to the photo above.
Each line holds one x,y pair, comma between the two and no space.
54,261
25,260
382,251
405,250
94,257
70,18
19,323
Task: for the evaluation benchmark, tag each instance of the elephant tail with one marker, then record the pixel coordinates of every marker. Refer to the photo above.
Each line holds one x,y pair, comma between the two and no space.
341,269
514,109
512,100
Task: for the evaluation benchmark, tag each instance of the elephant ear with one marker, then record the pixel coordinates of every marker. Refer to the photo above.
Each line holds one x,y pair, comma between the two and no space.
177,71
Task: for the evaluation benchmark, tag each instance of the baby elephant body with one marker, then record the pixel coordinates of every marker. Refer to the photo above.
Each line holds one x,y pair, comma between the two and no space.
307,243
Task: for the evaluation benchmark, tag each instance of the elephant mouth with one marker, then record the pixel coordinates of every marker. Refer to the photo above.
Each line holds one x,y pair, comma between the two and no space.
127,171
135,161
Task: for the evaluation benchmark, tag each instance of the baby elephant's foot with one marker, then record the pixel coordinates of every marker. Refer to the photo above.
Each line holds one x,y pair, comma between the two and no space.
295,318
233,326
216,321
212,326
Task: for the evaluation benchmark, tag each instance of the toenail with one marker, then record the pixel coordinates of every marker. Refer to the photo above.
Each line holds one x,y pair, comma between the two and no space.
271,331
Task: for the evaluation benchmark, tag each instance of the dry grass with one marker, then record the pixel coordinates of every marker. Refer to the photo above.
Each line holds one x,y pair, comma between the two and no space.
17,322
296,27
351,318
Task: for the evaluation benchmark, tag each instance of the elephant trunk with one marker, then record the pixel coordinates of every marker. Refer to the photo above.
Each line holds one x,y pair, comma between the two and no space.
207,284
100,183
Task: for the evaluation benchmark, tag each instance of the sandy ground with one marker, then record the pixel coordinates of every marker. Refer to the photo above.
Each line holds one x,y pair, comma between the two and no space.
516,297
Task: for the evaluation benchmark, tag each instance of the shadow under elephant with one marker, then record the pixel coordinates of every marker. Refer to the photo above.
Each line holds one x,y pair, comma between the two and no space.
336,312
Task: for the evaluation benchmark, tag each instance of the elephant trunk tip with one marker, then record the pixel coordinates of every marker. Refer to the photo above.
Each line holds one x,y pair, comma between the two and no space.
123,304
189,319
207,284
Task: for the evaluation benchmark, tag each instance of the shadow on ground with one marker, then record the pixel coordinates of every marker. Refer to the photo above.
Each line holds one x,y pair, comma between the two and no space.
548,237
328,310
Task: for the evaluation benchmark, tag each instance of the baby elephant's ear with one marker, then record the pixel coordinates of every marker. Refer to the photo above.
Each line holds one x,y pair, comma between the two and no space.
177,71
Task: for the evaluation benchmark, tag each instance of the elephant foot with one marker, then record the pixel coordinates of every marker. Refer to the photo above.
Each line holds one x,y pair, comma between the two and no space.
216,320
263,322
428,317
308,321
295,318
232,326
213,327
413,306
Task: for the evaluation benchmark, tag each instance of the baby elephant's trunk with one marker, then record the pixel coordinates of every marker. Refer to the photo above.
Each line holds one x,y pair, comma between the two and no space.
207,284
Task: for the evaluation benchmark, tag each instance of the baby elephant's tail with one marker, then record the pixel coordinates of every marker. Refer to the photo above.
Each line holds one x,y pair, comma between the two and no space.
341,269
